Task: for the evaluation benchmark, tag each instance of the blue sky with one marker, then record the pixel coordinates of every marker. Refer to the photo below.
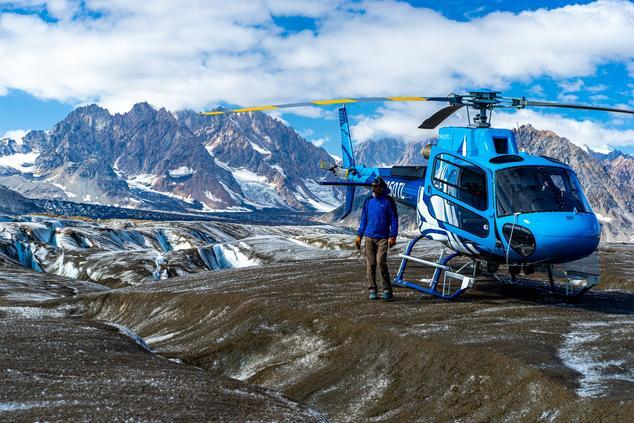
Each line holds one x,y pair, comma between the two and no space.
68,53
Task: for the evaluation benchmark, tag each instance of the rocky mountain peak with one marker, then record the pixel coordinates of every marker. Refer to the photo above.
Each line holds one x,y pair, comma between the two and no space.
149,157
88,117
390,151
257,144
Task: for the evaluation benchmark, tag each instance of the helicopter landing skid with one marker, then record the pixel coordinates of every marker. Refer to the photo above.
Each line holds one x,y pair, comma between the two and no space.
450,282
446,283
569,283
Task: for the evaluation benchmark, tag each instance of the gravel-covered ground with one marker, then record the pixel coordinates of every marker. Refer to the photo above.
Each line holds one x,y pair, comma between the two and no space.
59,368
294,338
500,353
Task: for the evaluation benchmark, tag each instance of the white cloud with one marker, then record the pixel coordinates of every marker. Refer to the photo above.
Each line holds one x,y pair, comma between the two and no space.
596,88
320,141
536,90
306,133
581,132
567,98
199,53
599,97
306,8
402,121
15,134
394,120
571,86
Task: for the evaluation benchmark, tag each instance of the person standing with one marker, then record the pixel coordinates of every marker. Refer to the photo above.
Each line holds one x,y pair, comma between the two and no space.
379,225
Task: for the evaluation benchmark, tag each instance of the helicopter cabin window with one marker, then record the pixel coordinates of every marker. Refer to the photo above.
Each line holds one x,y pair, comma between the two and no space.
538,189
457,216
461,180
501,145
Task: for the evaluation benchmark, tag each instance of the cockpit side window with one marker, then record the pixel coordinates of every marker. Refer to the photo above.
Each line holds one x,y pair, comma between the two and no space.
460,179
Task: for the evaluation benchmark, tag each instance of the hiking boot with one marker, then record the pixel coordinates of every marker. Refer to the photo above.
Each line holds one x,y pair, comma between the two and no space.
387,295
372,295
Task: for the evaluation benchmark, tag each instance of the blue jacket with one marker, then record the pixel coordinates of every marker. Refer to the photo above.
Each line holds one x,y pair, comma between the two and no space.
379,218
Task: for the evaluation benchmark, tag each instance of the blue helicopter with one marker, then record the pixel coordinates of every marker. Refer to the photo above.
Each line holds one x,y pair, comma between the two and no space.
481,198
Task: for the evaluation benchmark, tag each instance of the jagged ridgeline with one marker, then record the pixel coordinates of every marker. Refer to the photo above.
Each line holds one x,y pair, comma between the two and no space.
181,162
155,159
607,179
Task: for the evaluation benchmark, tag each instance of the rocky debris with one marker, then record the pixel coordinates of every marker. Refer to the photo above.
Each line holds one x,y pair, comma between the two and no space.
306,329
59,368
23,287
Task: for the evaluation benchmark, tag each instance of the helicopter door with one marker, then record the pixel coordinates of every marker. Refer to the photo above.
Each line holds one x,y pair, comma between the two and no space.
459,199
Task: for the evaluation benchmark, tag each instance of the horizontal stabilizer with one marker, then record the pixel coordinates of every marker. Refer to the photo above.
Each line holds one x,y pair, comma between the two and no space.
346,183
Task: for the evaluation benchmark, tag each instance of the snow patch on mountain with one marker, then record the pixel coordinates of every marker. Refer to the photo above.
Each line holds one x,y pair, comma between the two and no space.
257,191
279,169
181,172
142,181
15,134
259,148
145,182
66,191
22,162
327,196
601,149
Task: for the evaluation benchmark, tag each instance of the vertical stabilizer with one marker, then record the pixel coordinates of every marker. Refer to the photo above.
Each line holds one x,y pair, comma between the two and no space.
349,199
347,155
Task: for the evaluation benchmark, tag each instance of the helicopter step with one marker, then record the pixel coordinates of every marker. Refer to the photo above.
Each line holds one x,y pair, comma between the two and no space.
443,282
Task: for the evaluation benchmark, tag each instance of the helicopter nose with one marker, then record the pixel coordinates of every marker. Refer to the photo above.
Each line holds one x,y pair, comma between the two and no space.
562,237
571,236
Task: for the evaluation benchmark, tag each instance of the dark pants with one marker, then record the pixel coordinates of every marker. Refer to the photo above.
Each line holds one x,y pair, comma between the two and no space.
376,255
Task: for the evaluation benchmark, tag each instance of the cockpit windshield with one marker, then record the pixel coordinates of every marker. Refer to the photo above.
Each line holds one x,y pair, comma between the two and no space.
538,189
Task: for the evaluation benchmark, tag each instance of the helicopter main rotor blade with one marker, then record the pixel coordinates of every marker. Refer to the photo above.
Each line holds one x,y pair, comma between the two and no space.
321,103
438,117
575,106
